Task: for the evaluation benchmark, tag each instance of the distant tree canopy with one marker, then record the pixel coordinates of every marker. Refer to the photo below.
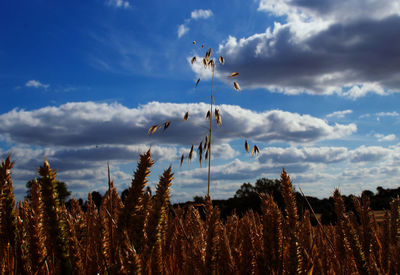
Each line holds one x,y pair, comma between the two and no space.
97,198
198,199
250,194
62,190
124,194
248,197
262,185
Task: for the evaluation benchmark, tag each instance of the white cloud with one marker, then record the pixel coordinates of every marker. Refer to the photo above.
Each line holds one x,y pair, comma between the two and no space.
89,124
327,47
329,155
241,170
365,116
382,138
182,29
317,170
369,154
85,135
36,84
339,114
201,14
195,15
380,115
118,3
303,155
224,151
330,11
360,90
198,68
392,114
378,173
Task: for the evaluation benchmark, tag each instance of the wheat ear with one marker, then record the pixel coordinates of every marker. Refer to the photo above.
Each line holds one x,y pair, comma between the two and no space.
132,215
293,259
8,226
54,225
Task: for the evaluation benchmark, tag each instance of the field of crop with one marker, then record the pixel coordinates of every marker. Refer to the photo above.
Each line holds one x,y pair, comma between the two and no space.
147,236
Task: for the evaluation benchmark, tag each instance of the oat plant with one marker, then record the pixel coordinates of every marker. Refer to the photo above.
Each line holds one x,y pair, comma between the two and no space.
209,62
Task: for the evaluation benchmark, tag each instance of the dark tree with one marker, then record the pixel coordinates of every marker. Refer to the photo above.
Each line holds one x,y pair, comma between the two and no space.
246,190
97,198
198,199
61,187
124,195
367,193
62,190
269,186
272,187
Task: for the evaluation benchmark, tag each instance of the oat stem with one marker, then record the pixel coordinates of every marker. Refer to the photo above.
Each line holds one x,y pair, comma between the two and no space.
210,132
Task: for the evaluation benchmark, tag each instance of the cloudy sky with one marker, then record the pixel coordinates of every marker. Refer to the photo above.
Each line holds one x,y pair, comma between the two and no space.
81,82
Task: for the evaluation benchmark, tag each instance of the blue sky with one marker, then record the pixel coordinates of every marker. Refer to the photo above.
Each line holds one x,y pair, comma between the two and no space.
81,82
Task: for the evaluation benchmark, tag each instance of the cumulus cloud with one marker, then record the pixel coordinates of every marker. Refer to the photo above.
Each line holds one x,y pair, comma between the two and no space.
330,10
195,15
325,167
241,170
390,114
182,29
120,153
219,151
347,48
201,14
371,173
118,3
83,169
89,123
36,84
83,136
305,154
382,138
67,159
339,114
368,154
329,155
224,151
380,115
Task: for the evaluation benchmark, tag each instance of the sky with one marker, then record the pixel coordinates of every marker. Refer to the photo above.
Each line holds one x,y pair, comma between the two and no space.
81,82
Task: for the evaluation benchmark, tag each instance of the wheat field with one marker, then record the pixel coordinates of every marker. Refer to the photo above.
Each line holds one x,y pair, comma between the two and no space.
146,235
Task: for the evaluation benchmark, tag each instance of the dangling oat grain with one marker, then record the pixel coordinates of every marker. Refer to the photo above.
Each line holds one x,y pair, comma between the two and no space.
236,85
152,129
166,125
246,146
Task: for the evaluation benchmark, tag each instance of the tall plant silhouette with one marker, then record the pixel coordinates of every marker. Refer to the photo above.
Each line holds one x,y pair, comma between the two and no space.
204,148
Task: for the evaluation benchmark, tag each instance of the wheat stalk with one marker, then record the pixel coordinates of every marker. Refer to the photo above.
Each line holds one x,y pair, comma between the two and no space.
54,225
186,240
8,221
